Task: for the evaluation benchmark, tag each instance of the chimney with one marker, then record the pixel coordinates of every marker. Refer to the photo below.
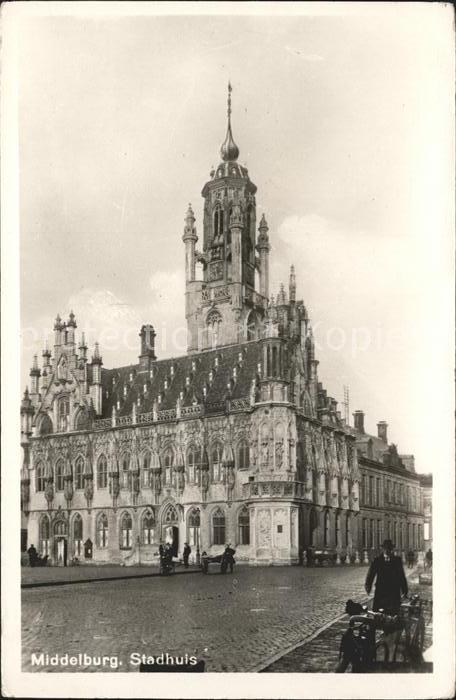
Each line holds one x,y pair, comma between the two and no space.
358,418
382,428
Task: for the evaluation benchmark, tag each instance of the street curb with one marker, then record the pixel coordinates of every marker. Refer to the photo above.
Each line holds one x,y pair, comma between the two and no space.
46,584
262,666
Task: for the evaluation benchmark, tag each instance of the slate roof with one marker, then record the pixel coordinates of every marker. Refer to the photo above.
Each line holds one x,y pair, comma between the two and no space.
126,384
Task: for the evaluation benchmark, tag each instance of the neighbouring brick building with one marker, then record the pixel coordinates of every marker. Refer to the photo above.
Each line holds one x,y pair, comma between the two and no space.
391,500
237,441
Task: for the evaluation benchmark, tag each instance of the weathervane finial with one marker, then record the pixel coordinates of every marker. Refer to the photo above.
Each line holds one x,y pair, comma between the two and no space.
229,150
230,89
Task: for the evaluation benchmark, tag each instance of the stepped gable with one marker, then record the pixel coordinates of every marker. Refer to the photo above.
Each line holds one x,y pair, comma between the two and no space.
175,371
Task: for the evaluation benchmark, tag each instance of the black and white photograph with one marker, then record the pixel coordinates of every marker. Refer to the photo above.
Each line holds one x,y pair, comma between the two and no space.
228,349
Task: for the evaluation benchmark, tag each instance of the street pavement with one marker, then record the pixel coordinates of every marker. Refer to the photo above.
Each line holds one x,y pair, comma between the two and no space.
62,575
321,654
235,622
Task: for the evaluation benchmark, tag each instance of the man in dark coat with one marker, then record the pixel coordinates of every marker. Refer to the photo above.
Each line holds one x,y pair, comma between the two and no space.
33,555
229,556
186,553
391,581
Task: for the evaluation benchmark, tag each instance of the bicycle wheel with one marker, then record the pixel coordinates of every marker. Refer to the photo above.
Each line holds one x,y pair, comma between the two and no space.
415,650
382,653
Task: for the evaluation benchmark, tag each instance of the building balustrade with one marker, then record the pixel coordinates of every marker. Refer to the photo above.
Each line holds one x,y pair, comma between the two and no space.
274,489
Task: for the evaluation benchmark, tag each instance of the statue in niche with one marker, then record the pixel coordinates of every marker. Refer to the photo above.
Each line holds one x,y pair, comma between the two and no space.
265,452
279,454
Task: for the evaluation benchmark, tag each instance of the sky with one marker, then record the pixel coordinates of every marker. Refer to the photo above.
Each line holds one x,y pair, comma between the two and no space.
343,122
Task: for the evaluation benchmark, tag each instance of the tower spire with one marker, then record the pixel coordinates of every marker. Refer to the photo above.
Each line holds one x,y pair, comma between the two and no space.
229,150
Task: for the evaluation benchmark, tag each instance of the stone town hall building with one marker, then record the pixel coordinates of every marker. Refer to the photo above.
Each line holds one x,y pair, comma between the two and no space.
234,442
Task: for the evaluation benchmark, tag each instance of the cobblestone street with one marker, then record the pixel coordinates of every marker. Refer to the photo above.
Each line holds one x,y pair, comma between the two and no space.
237,622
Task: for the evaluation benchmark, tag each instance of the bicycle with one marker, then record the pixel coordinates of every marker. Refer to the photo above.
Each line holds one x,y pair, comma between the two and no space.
401,639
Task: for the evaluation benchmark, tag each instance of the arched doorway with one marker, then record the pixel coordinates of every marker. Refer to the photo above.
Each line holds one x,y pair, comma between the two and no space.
194,529
313,528
170,528
60,542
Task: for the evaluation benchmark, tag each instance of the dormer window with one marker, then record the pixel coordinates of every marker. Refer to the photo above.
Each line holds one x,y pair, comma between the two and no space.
125,391
187,381
151,373
138,401
131,376
193,366
216,362
166,384
145,388
240,357
172,371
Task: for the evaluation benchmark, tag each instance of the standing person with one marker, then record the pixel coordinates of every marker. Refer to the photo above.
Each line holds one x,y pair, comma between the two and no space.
229,556
33,555
186,553
390,580
410,558
429,558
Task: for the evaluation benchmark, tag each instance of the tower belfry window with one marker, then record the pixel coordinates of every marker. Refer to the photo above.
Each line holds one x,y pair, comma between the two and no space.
218,222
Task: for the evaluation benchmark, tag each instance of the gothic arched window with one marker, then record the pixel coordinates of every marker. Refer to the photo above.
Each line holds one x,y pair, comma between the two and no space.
218,222
77,535
102,472
148,527
59,473
79,473
43,534
168,466
244,526
102,531
171,517
40,477
214,324
192,463
125,472
243,451
218,527
194,525
146,469
82,420
63,414
126,526
216,461
45,425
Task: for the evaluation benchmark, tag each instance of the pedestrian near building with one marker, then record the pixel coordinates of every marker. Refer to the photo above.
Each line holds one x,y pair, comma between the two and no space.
186,554
390,581
33,555
410,558
229,556
428,559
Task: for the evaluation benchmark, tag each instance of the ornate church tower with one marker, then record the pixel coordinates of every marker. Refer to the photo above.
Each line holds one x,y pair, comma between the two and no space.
224,307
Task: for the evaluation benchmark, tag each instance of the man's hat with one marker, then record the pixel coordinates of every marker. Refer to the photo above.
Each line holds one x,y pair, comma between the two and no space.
388,544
